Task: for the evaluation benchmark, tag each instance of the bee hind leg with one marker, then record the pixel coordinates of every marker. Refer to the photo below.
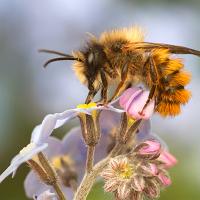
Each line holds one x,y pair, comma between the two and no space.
150,97
154,79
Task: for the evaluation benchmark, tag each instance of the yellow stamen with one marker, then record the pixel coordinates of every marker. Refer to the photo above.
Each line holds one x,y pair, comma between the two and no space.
56,161
86,106
131,121
126,172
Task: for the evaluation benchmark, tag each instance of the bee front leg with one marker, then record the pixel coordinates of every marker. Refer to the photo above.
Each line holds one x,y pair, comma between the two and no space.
104,90
122,85
92,92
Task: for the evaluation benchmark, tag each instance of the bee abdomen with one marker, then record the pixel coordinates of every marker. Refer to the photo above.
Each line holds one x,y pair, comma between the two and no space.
171,92
170,102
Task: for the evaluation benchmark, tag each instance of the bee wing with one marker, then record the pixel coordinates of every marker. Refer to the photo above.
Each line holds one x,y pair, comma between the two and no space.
172,48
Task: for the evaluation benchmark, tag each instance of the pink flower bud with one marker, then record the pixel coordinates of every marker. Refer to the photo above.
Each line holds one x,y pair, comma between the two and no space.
165,180
150,149
168,159
133,101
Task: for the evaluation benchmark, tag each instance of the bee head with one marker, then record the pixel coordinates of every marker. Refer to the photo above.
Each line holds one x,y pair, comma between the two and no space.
95,60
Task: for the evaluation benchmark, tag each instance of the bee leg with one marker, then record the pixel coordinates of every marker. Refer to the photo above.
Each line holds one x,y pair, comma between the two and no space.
92,92
154,78
104,90
151,95
122,85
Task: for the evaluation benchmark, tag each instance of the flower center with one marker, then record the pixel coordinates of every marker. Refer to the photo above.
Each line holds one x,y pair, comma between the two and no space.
126,172
131,121
86,106
65,169
58,161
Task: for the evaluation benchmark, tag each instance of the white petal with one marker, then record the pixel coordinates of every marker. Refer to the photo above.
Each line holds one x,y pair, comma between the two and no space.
47,195
21,158
111,108
43,131
114,101
33,185
36,134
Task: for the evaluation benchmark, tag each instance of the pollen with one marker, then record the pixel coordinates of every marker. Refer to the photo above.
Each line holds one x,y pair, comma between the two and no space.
86,106
131,121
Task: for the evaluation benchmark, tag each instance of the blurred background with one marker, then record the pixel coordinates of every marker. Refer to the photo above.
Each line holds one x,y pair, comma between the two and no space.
28,92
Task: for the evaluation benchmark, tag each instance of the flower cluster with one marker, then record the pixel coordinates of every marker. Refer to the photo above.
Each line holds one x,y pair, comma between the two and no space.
115,138
141,173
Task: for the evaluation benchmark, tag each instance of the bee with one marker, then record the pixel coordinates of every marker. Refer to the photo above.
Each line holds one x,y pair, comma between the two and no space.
122,56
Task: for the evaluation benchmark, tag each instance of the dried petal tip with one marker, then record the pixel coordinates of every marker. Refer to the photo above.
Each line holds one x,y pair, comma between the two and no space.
133,100
149,149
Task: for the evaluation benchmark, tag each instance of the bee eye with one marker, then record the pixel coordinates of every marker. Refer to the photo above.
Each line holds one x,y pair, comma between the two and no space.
90,58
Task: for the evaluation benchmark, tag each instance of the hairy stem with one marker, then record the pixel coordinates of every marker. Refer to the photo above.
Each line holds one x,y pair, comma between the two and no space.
59,192
90,158
89,178
52,175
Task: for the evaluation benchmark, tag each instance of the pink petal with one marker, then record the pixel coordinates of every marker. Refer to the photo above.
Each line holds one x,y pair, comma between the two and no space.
168,159
137,105
154,169
131,92
166,181
152,146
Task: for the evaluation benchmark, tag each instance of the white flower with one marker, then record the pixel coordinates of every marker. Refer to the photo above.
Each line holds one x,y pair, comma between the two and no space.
42,132
28,152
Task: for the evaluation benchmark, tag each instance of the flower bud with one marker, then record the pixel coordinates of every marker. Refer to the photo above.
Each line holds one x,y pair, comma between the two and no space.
149,149
168,159
133,101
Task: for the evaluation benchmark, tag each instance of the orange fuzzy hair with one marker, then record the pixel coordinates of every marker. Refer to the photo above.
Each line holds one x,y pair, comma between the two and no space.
172,79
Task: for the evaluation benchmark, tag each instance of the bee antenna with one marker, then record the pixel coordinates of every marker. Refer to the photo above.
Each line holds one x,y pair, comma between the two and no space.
59,59
53,52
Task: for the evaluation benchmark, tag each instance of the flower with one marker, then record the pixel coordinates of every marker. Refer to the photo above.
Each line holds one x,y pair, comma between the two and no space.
66,163
73,147
68,158
133,100
129,176
42,132
27,153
